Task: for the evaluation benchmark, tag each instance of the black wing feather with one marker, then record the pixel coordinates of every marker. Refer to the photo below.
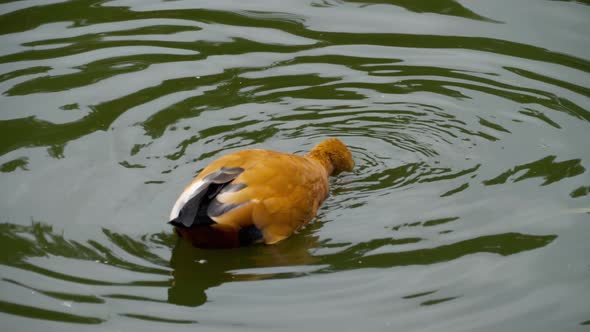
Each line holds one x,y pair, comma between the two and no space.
196,211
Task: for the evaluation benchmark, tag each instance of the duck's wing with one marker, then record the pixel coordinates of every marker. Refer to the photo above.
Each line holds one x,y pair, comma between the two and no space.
276,196
193,205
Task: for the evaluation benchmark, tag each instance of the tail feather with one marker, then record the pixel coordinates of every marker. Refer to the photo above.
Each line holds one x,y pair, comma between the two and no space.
194,212
176,223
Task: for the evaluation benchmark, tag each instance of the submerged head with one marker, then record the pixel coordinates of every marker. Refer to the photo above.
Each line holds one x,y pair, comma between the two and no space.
334,153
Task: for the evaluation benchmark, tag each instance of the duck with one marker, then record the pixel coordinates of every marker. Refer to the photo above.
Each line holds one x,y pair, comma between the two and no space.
257,196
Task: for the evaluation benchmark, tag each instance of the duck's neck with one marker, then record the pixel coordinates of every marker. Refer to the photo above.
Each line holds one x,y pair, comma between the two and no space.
322,158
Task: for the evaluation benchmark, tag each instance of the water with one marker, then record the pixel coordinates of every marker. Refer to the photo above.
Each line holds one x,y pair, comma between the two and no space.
468,120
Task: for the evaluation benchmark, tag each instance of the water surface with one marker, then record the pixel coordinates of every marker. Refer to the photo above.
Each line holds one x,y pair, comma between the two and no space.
468,120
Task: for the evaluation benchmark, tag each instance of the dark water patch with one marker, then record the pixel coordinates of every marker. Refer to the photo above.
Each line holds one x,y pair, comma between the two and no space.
436,222
79,45
492,125
545,168
541,116
360,249
13,165
70,107
502,244
90,12
580,191
427,223
126,164
138,249
94,37
411,296
583,2
159,319
45,314
550,80
79,298
29,131
164,51
437,301
56,151
445,7
491,45
132,298
24,72
39,240
88,74
446,176
137,147
456,190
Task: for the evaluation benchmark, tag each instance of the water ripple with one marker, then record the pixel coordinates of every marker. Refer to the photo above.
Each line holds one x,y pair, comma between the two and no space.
467,123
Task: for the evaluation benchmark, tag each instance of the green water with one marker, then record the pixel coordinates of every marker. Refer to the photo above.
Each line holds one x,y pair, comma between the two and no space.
469,122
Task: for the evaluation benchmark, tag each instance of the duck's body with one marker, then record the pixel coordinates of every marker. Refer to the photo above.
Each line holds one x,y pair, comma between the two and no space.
257,196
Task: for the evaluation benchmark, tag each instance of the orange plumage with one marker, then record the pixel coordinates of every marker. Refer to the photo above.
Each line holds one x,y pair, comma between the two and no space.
257,196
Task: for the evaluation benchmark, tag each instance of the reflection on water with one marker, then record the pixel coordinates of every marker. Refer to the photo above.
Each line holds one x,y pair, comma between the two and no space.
191,272
546,168
445,7
468,122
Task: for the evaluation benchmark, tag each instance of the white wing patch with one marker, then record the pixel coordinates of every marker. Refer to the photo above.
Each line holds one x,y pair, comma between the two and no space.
186,196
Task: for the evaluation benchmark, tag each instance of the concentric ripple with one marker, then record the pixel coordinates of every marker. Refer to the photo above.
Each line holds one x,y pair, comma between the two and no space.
468,122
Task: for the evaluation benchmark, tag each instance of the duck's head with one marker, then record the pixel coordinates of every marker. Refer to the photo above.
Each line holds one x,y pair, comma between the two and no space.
334,155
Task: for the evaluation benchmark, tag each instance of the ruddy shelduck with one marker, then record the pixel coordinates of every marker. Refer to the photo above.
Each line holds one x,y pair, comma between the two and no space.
257,196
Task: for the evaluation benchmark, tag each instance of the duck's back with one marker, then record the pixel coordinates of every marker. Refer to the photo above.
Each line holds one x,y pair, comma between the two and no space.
252,192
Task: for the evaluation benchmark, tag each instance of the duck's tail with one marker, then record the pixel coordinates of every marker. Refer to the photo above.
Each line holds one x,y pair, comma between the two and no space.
197,205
